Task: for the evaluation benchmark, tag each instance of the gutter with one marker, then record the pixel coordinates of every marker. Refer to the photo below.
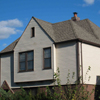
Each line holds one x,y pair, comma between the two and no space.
80,40
6,52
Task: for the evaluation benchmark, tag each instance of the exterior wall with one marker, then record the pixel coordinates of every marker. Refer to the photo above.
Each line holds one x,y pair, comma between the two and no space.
6,68
66,59
91,57
37,43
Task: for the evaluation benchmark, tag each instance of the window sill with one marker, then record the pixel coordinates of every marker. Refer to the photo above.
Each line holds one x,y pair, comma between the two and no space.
32,36
47,68
25,71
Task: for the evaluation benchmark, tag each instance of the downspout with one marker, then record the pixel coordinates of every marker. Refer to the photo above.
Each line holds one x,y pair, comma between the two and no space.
78,63
81,63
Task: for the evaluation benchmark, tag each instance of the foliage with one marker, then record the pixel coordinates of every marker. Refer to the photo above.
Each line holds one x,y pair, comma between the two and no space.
57,92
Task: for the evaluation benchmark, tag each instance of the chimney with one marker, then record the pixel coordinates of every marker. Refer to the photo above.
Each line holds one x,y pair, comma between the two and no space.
75,18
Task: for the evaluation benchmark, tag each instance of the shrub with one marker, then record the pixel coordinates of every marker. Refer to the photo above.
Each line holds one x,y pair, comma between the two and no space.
69,92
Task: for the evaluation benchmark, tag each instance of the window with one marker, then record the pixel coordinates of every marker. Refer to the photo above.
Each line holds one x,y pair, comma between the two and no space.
47,58
26,61
33,32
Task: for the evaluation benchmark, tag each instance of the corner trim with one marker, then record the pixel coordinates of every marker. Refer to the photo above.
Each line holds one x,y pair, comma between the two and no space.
82,62
78,62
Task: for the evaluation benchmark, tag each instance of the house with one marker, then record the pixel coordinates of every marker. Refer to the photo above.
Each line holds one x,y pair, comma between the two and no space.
31,60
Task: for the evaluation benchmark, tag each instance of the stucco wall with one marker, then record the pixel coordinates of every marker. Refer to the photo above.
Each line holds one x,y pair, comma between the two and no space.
91,57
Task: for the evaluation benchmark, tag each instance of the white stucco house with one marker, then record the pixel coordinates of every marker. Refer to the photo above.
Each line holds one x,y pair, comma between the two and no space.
32,59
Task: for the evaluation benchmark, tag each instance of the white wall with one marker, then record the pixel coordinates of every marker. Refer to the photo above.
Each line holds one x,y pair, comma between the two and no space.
91,57
66,59
37,43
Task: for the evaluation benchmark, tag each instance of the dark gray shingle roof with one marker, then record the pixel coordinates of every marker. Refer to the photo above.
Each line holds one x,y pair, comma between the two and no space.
10,47
67,30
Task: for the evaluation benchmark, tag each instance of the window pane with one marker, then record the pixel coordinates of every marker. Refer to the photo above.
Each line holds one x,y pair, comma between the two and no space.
47,53
22,66
47,63
22,57
33,32
30,65
30,56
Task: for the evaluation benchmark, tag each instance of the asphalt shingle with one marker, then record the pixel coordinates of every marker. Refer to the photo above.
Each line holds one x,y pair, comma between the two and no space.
10,47
66,30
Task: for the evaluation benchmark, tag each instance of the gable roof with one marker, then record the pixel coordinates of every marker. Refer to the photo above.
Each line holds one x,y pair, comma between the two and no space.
65,31
68,30
5,86
10,47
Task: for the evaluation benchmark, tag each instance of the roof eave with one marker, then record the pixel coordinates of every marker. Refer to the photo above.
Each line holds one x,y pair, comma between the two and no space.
89,42
66,41
6,52
80,40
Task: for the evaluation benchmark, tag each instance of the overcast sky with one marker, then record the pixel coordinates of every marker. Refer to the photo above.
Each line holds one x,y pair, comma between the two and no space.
15,14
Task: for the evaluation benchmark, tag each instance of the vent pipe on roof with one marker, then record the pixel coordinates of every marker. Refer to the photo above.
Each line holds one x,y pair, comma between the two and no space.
75,18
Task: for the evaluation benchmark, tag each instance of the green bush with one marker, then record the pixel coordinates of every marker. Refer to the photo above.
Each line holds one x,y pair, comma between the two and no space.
70,92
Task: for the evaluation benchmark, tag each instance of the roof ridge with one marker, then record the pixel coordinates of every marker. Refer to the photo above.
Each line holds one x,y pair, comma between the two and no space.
71,23
93,32
60,22
40,19
44,28
83,31
64,31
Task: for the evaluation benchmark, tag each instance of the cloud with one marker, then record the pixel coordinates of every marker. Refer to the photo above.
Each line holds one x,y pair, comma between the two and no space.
89,2
11,23
9,27
19,31
4,44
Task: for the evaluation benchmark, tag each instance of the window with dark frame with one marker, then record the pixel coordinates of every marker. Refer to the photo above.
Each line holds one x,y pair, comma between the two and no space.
33,32
26,61
47,58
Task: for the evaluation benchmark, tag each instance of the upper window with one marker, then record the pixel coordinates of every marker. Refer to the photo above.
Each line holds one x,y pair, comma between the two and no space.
47,58
33,32
26,61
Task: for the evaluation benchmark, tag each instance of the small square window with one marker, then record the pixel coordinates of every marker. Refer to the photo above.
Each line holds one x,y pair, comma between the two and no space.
33,32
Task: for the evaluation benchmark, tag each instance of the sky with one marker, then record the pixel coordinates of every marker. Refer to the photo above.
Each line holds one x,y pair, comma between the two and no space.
15,14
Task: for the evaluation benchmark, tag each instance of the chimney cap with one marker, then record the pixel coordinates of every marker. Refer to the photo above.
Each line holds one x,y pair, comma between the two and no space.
75,13
75,18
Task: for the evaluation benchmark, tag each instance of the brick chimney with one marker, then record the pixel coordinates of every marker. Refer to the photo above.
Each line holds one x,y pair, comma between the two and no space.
75,18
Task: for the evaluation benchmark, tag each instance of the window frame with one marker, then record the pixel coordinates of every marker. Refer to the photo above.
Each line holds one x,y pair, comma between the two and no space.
26,61
44,58
32,32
